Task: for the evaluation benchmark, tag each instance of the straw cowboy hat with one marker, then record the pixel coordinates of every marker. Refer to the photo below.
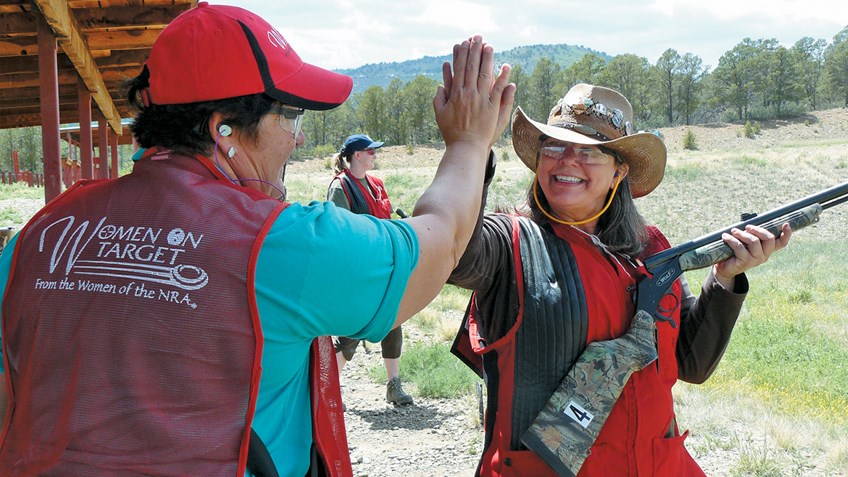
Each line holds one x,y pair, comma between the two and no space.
595,116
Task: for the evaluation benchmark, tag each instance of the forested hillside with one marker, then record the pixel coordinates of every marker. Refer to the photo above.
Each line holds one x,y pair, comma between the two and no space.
381,74
756,80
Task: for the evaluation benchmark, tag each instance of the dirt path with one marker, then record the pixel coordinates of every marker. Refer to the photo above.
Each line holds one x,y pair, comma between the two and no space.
431,438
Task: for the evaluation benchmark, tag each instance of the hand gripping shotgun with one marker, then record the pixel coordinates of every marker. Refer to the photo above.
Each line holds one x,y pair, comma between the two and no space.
668,265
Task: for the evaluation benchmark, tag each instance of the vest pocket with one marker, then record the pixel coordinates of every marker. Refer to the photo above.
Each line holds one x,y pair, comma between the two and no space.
671,459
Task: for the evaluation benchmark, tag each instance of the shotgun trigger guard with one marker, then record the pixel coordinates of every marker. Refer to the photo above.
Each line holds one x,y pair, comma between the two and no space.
664,314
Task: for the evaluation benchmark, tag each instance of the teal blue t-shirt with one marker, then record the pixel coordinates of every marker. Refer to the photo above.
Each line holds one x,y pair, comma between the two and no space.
309,254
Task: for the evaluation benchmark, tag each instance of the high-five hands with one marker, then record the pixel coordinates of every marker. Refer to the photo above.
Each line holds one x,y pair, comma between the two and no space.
473,105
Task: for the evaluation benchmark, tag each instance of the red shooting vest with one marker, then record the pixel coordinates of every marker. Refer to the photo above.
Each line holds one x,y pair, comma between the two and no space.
131,339
377,200
634,439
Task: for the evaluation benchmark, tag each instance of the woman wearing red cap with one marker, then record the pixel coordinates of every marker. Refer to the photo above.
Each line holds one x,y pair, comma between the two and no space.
562,276
354,189
174,321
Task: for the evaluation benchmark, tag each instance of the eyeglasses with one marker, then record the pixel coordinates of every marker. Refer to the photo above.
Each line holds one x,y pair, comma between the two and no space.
583,154
291,118
370,152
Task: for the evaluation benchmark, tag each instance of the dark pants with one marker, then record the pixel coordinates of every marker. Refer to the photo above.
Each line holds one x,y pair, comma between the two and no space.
391,345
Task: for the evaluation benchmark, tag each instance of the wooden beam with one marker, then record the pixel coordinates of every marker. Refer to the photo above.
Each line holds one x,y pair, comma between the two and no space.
18,46
17,23
29,64
31,93
123,39
123,16
113,76
94,41
64,25
34,119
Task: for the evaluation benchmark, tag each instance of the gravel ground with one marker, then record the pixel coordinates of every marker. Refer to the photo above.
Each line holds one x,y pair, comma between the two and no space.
431,438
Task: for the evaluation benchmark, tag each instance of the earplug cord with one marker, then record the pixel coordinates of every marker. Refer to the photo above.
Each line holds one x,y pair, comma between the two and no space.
239,181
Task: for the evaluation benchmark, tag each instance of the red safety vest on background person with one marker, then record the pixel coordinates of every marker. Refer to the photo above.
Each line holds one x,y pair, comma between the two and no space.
131,339
377,200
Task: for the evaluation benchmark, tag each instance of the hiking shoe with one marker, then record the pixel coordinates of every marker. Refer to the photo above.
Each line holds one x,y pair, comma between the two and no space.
395,394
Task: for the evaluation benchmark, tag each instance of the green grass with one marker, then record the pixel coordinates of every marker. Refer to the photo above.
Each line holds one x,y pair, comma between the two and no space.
756,461
10,216
750,161
404,189
788,365
20,190
790,346
685,172
434,370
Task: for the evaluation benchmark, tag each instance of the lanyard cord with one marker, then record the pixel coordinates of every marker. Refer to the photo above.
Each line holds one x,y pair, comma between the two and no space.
551,217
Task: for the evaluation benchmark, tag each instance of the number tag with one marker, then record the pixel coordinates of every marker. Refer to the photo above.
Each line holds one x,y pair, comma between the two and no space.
577,413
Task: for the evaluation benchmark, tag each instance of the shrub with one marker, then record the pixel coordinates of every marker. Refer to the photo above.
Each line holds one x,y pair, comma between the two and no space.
689,140
751,129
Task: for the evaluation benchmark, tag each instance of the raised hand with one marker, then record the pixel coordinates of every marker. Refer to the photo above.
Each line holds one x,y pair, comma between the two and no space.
473,105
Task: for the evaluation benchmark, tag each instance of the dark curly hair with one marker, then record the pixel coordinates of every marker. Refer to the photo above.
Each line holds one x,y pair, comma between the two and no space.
183,127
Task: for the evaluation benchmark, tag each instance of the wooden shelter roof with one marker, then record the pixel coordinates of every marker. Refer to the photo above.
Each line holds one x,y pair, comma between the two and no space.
100,43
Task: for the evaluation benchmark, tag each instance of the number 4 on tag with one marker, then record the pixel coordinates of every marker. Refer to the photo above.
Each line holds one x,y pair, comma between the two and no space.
578,414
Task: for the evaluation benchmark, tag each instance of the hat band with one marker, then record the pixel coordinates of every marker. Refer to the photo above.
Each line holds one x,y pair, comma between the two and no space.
589,107
582,129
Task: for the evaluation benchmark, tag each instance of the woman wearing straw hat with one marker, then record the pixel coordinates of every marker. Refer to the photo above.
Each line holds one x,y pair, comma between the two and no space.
549,282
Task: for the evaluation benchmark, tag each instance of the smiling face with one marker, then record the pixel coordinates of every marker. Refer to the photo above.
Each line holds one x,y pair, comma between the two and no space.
362,162
576,179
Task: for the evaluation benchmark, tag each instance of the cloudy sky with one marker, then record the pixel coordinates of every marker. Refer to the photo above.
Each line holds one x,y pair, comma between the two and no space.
350,33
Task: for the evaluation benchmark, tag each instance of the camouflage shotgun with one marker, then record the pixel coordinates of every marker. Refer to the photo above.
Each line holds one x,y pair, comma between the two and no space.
566,428
668,265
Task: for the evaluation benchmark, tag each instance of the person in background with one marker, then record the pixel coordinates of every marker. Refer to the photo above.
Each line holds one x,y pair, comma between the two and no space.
174,321
561,275
353,189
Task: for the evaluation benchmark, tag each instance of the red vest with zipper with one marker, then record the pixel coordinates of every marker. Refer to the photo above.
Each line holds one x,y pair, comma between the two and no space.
635,439
131,339
377,199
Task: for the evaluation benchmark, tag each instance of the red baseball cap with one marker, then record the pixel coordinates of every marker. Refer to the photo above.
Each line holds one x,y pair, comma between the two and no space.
215,52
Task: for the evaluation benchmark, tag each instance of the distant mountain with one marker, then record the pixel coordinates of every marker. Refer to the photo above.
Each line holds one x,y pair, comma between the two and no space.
381,74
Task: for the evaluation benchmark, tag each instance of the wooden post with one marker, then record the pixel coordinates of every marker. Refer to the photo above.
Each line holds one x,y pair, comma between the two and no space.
85,130
48,73
114,144
103,147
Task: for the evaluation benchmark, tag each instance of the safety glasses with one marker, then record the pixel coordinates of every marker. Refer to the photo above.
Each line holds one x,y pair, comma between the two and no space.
583,154
291,118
